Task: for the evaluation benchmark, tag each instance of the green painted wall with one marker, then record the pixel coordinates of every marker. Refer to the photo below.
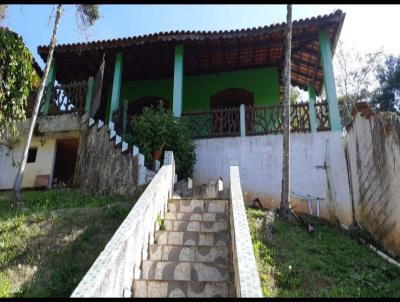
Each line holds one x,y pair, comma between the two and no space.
197,90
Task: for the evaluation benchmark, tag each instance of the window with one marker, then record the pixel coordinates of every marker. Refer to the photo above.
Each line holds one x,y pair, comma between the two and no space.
32,155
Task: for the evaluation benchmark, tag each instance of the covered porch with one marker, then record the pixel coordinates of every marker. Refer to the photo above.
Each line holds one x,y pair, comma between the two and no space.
226,83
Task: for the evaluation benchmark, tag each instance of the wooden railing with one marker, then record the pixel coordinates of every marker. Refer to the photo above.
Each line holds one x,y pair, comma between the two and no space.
214,123
67,98
259,120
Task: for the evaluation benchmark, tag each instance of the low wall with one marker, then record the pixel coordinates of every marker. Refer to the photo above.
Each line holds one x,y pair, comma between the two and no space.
247,279
118,265
373,152
260,163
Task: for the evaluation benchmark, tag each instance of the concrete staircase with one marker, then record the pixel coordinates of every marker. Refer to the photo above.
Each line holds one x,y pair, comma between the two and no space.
191,257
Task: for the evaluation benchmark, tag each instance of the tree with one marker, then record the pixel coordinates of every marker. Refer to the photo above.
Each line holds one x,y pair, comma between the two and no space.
18,78
387,95
285,196
88,13
355,77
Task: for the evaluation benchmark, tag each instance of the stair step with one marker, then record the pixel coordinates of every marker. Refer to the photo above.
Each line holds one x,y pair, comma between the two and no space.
156,289
215,254
190,216
185,271
192,238
198,205
195,226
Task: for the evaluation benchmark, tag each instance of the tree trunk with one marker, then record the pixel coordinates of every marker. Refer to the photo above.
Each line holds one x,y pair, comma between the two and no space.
16,194
285,196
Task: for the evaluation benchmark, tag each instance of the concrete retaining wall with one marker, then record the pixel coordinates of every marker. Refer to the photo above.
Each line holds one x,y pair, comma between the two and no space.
260,162
102,167
374,162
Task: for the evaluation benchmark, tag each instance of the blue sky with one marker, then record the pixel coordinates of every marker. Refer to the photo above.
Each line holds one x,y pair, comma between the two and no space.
366,27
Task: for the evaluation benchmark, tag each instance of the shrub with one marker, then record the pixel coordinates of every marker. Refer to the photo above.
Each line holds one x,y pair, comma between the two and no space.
157,129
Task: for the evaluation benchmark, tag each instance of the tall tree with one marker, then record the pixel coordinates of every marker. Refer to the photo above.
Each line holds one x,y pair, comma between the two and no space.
387,95
355,77
88,13
285,196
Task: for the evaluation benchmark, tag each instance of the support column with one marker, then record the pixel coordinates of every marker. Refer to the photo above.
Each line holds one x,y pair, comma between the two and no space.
329,80
51,77
89,94
116,89
311,108
242,120
178,81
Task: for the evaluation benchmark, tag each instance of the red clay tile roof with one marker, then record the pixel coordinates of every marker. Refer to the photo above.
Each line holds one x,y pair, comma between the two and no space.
151,56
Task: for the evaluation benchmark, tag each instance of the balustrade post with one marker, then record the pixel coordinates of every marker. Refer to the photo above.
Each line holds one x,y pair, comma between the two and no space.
311,108
242,120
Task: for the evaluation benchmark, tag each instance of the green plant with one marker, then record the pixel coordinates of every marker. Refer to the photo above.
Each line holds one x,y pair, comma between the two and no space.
18,77
157,129
161,223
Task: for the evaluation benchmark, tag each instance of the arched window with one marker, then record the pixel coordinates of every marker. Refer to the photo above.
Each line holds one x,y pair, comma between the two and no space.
227,122
232,97
136,107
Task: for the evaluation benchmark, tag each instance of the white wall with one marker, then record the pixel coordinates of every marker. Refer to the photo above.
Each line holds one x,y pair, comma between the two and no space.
260,164
374,158
43,165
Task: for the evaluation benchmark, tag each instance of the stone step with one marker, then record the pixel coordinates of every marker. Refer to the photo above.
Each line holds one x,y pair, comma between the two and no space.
215,254
185,271
191,238
157,289
195,226
198,205
190,216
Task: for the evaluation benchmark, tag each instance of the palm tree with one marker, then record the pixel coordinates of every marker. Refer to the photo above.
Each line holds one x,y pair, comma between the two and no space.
285,196
88,14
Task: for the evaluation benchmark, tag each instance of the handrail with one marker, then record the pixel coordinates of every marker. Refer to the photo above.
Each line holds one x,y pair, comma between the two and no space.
247,280
114,270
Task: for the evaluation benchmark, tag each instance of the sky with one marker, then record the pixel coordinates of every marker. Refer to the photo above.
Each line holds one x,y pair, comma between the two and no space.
366,27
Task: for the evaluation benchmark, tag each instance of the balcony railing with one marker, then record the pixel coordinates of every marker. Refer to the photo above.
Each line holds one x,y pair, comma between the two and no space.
67,98
259,120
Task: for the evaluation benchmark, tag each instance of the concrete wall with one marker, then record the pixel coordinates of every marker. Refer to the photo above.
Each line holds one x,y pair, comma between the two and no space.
43,165
48,130
260,165
373,152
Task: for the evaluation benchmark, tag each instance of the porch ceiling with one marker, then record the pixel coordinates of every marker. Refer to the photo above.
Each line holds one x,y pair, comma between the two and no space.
152,56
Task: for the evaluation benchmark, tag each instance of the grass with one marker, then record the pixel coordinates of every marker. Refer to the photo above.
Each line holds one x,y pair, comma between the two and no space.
47,248
325,263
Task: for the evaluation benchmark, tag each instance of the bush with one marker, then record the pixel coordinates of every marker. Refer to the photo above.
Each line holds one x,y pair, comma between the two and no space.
157,129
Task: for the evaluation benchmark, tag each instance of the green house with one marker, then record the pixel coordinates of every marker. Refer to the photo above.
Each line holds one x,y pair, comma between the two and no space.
210,77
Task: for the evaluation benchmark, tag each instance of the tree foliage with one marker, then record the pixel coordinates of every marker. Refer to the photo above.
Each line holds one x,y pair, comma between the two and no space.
18,78
387,95
156,129
355,77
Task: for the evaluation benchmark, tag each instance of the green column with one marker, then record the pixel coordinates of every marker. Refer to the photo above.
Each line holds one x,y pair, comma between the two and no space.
51,77
329,80
311,108
178,81
89,94
116,88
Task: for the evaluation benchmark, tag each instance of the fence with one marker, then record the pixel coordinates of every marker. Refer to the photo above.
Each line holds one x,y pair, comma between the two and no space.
67,98
258,120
